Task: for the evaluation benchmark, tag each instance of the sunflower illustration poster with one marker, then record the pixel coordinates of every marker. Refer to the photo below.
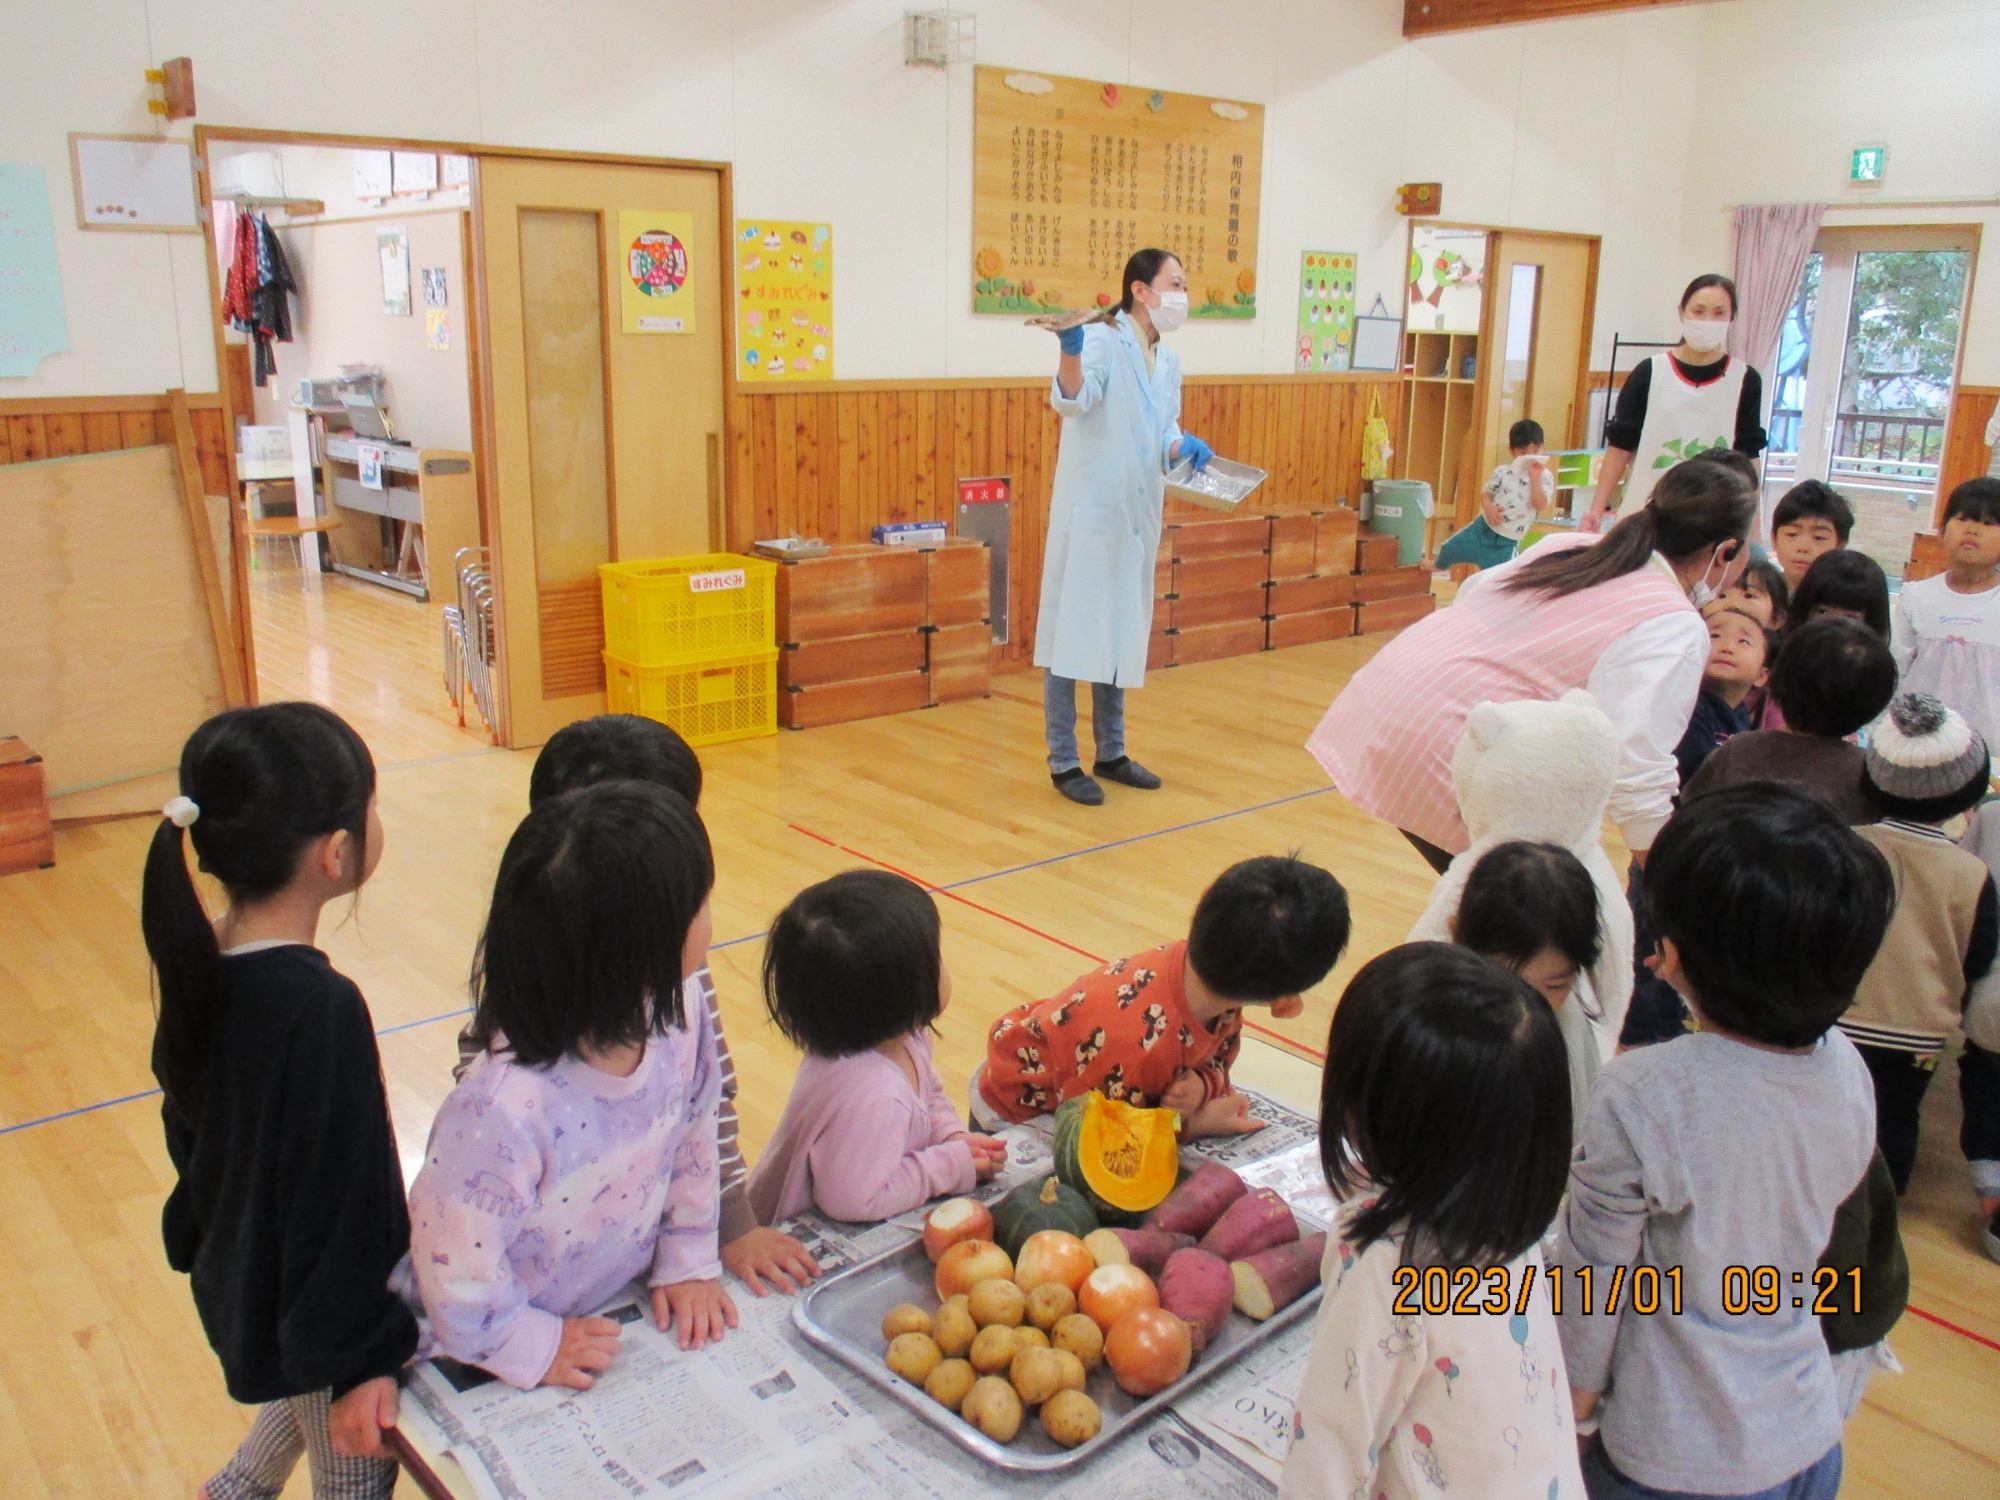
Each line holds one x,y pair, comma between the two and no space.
656,287
784,300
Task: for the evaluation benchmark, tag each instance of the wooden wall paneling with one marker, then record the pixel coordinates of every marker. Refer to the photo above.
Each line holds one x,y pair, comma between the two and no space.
64,434
785,454
29,439
908,502
138,429
101,432
764,469
932,504
866,450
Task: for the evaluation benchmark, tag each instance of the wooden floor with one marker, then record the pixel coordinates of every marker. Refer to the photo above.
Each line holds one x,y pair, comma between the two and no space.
106,1385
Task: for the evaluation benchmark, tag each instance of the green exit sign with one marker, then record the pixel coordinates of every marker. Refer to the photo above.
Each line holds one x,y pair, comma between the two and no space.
1868,164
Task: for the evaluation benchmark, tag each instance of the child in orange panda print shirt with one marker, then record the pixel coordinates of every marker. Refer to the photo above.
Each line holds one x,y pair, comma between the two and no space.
1161,1028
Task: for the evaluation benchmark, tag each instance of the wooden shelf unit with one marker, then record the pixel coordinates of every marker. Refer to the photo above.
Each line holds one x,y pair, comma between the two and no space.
1439,408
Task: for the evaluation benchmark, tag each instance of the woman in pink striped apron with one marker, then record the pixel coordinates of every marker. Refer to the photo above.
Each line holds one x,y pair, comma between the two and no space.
1616,616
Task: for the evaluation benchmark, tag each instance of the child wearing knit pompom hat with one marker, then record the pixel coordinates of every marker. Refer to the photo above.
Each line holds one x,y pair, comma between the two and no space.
1925,766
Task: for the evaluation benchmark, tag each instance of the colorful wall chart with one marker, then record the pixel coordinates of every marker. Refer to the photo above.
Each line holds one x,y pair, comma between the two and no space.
1326,311
32,326
656,292
1070,176
784,300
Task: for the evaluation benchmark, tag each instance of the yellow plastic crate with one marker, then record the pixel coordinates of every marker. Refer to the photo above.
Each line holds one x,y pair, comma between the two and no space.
704,702
667,611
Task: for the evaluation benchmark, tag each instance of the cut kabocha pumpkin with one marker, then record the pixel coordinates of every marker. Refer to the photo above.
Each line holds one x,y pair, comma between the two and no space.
1035,1206
1125,1160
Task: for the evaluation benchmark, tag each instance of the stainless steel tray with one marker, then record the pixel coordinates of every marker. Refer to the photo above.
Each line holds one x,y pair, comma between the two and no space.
1222,484
843,1315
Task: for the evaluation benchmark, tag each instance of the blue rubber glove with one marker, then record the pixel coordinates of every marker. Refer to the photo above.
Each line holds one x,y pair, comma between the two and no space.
1071,340
1194,448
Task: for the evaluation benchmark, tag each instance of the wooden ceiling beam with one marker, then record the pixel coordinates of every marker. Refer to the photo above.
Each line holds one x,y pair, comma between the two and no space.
1432,17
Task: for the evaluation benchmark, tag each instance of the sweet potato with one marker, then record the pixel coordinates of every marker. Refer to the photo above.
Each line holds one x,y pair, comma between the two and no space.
1199,1200
1199,1288
1148,1249
1274,1279
1254,1222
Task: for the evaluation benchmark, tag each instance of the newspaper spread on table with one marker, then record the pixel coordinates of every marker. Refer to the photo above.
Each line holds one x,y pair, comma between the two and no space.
758,1414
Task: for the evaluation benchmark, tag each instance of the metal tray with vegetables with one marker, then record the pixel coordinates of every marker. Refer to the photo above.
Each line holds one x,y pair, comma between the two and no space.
1035,1333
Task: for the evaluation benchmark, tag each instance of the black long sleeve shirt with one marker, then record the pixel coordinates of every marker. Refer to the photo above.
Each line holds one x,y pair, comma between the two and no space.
1628,418
289,1215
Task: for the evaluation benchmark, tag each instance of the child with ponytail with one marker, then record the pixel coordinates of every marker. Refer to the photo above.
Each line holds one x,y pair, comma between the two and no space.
288,1230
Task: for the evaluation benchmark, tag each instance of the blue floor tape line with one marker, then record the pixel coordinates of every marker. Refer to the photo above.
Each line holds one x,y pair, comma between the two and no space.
1053,859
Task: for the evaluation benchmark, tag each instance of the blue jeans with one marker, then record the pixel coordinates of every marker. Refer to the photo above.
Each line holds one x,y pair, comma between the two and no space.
1817,1481
1107,713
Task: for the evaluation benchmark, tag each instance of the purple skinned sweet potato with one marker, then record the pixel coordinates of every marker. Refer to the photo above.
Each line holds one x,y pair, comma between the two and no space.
1256,1221
1198,1288
1198,1201
1149,1248
1273,1279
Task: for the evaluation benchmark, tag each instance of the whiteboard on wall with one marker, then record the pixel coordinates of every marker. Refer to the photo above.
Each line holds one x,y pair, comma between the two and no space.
134,182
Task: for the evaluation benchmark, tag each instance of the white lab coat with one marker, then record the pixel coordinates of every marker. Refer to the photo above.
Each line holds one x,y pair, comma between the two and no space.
1104,515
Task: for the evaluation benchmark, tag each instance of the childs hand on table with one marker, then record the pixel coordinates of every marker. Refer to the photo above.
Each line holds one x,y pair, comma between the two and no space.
1228,1114
358,1419
694,1311
988,1155
588,1346
769,1253
1185,1094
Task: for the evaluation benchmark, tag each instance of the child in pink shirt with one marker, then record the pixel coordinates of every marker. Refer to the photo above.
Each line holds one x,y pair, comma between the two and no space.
579,1152
853,974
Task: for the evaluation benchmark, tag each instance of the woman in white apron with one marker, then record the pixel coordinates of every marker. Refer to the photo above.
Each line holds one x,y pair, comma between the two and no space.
1676,404
1118,390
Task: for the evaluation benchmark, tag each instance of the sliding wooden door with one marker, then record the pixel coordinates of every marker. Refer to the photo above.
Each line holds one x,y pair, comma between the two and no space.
1541,294
605,424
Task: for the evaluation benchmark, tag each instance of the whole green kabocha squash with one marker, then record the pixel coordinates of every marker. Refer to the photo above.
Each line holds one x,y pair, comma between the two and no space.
1035,1206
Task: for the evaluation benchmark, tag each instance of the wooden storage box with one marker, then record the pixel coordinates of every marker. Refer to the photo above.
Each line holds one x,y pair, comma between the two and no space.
1221,575
1399,583
863,698
1212,642
1374,553
1294,541
1297,596
958,583
1391,614
1216,609
1334,537
1195,541
859,589
845,658
960,660
1312,625
27,839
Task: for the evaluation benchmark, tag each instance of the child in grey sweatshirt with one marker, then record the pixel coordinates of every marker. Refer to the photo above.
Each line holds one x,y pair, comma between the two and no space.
1708,1168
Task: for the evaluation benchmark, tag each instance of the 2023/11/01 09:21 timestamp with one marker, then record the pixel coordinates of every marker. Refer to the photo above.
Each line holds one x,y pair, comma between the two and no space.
1826,1290
1436,1290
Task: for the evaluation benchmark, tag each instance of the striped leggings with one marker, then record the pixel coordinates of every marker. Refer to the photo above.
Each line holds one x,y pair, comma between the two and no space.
283,1431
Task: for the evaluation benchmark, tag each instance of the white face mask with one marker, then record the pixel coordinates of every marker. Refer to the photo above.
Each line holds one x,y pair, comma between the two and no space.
1171,313
1705,593
1703,335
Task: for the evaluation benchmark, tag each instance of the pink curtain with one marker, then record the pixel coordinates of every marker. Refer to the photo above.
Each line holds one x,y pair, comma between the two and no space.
1772,243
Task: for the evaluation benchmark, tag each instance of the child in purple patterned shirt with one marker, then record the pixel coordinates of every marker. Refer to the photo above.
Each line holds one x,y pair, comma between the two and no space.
579,1150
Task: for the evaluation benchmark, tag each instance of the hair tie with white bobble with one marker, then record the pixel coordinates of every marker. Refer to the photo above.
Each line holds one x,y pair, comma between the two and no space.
180,811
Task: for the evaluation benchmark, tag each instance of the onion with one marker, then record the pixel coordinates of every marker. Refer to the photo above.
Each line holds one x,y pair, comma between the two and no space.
1148,1350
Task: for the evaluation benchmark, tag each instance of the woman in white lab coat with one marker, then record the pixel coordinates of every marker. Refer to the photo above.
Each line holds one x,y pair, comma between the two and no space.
1118,389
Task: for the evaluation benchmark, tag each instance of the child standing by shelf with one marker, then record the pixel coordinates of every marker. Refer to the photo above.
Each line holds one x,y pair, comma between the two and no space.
854,975
1516,493
1162,1028
626,747
579,1151
1445,1128
288,1212
1731,1149
1946,633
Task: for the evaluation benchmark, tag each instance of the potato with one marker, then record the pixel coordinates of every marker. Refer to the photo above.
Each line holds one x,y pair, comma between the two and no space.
1073,1378
998,1302
950,1382
913,1356
953,1328
1031,1337
994,1349
1048,1305
1071,1418
1036,1375
908,1318
993,1408
1080,1337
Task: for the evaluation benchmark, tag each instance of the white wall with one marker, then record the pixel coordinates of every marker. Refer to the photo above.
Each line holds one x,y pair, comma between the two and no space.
1578,125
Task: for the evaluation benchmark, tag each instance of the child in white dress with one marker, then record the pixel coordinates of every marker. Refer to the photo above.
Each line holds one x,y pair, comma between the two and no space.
1946,630
1444,1127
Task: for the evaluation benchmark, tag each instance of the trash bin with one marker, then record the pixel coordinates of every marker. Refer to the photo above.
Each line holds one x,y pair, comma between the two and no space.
1402,507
